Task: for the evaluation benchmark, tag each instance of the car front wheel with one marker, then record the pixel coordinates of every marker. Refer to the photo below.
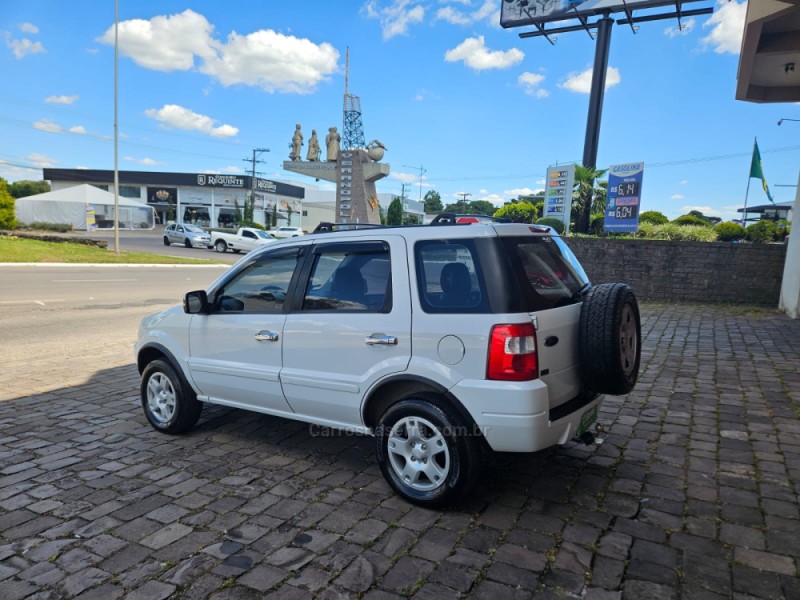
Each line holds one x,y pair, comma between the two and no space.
169,404
426,452
187,242
166,241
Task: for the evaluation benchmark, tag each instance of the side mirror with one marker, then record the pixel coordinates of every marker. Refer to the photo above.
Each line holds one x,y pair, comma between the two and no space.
195,303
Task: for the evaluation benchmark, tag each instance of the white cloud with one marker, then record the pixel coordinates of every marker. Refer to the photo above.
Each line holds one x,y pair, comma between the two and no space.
41,160
455,16
79,129
396,17
686,28
405,177
727,27
702,209
424,94
683,181
48,125
24,47
581,83
264,58
526,191
676,197
494,199
530,84
475,55
178,117
29,28
82,168
142,161
232,169
61,99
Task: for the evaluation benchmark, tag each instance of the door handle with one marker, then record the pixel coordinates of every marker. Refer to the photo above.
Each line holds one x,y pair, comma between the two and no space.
266,336
379,338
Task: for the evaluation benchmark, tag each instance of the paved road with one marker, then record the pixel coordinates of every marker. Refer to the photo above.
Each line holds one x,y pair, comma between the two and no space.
694,493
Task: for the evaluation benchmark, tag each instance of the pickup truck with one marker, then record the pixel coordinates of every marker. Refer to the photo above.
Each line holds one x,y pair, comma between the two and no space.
247,238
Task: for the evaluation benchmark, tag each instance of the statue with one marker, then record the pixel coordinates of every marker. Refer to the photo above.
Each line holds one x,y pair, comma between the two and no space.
297,141
313,147
332,140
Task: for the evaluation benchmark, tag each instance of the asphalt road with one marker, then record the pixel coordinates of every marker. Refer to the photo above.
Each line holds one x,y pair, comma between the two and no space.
85,314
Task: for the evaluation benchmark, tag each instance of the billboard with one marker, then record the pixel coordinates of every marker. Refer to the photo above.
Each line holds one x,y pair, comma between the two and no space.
558,193
624,197
516,13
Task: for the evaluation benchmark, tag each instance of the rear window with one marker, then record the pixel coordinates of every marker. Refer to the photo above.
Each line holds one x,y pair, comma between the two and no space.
547,271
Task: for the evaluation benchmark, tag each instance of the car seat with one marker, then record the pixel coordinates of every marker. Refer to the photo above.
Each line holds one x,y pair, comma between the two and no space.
349,285
456,283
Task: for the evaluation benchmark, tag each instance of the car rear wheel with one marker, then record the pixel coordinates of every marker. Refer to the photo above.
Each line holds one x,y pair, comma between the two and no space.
220,246
169,404
610,339
187,242
166,241
427,453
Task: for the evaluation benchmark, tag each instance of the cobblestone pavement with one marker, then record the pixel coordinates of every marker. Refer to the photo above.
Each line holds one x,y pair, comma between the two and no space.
694,493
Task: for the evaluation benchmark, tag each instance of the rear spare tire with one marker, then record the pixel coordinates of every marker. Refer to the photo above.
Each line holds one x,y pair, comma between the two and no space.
610,339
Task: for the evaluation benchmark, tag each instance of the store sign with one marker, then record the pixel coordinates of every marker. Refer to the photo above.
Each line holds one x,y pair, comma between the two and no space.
220,180
558,194
624,197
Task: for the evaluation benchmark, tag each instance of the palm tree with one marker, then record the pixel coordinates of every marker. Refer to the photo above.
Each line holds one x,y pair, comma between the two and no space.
586,198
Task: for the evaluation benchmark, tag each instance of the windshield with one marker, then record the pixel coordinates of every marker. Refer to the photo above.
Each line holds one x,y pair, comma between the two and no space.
546,270
193,229
264,234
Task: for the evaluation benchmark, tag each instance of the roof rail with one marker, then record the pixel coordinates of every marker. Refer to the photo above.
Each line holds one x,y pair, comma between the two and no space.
326,227
450,218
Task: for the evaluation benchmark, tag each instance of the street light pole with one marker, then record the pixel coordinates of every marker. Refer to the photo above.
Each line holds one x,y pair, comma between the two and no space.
116,126
782,120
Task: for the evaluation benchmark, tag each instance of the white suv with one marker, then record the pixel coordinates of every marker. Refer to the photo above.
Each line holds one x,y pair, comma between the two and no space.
441,341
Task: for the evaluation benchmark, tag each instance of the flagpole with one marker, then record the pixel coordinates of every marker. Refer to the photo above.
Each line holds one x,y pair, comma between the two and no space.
749,177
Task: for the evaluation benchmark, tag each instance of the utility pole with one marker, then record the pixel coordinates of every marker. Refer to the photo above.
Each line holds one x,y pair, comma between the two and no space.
249,210
422,172
464,199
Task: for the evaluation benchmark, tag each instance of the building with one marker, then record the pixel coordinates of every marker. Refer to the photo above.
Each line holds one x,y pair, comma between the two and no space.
208,200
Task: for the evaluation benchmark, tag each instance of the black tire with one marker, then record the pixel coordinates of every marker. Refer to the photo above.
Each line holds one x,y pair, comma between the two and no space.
610,342
236,251
220,246
456,452
187,242
166,241
161,387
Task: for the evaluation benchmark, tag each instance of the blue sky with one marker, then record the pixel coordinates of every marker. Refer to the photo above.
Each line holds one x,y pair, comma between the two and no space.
451,95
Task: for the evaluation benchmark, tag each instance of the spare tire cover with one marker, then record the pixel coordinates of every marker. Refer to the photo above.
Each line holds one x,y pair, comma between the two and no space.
610,339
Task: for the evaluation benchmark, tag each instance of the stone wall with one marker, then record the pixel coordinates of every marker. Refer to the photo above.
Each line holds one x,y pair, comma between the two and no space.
686,271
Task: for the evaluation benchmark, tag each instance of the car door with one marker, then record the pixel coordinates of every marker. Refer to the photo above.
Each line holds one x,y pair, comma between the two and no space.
235,349
176,235
350,325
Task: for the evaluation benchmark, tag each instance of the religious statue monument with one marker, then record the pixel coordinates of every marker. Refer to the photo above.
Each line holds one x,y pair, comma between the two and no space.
332,140
297,142
313,147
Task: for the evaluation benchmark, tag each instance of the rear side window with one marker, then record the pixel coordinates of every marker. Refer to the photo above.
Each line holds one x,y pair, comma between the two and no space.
350,277
547,272
449,277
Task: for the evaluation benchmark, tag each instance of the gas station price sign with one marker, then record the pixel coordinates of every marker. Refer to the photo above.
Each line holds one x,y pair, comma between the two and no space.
558,193
624,197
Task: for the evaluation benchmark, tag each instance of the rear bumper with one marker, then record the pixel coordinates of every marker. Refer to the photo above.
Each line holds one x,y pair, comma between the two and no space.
515,416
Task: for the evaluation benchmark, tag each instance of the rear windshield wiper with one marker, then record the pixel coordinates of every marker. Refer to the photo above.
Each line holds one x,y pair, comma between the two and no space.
584,288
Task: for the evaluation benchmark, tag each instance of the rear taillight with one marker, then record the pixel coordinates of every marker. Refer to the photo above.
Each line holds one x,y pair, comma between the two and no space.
512,353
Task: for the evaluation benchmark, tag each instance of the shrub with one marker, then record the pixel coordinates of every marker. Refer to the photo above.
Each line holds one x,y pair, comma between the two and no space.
518,212
253,224
730,232
762,231
691,220
597,225
673,231
8,217
654,217
782,229
553,223
40,226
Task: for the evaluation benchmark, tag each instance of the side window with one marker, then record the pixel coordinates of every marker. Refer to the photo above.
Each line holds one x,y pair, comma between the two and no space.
248,234
260,287
449,277
350,277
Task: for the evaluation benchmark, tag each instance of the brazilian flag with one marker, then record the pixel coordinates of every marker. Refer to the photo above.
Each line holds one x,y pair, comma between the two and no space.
757,171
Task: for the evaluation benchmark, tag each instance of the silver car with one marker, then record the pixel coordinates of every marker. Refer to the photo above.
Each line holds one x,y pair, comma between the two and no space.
190,236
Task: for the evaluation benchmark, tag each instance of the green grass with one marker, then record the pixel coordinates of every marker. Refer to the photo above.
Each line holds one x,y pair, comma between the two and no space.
14,250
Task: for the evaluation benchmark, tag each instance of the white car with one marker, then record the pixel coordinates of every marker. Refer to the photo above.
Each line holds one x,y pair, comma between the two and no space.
245,239
286,232
443,342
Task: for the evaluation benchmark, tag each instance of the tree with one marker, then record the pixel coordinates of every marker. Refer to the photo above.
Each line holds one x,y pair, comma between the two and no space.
518,212
21,189
433,202
481,207
274,218
394,215
8,218
586,198
654,217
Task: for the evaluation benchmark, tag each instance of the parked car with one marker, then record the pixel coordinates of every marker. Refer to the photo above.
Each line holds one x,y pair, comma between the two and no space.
285,232
190,236
444,342
247,238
